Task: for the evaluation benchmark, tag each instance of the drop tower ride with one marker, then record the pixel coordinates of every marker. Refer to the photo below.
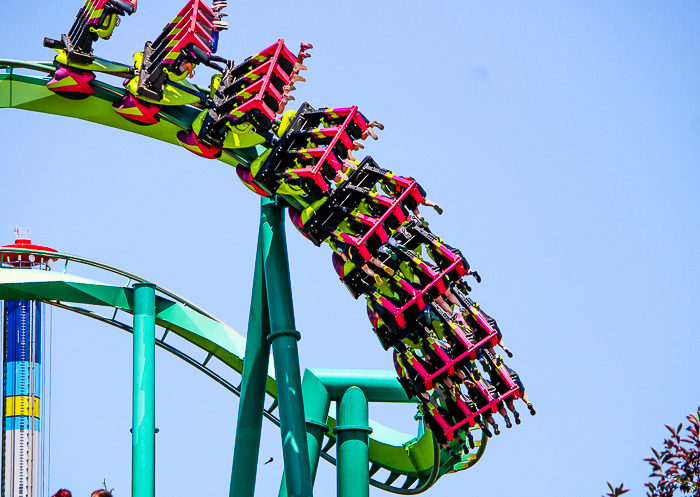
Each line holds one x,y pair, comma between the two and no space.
22,442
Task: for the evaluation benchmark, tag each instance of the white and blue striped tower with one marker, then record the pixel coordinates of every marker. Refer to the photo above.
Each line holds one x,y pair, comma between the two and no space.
22,447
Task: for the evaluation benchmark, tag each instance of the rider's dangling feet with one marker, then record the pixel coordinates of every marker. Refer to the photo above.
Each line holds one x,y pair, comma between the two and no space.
532,409
471,439
476,275
495,429
486,430
465,448
516,414
422,220
388,270
454,454
508,423
220,25
378,280
510,354
438,209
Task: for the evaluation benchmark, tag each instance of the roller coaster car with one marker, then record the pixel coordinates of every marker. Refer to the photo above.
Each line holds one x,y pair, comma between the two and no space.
313,167
481,323
448,421
162,67
351,277
357,197
465,345
245,99
96,19
452,265
502,377
75,61
409,308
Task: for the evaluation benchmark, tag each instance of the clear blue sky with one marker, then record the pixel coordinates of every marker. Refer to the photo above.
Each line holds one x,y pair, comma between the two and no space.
563,141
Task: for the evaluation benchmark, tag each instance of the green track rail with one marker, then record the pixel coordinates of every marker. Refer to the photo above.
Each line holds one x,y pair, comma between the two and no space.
402,455
413,463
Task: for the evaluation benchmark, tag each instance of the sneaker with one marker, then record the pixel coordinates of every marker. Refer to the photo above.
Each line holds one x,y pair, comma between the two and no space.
358,144
378,280
388,270
220,25
300,67
465,448
532,410
422,220
508,423
486,430
377,124
516,414
476,275
306,46
495,429
454,454
438,209
471,441
372,134
510,354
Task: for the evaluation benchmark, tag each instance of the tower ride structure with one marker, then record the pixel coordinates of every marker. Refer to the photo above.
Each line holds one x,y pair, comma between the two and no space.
23,437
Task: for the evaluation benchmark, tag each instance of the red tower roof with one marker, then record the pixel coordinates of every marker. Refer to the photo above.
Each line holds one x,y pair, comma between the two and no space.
23,241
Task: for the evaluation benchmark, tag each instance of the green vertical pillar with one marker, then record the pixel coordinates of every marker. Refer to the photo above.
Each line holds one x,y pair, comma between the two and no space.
143,438
255,367
352,449
317,402
283,337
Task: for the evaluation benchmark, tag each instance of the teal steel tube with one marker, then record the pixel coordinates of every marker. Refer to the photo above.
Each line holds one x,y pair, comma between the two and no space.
316,406
254,378
283,338
143,437
378,386
352,433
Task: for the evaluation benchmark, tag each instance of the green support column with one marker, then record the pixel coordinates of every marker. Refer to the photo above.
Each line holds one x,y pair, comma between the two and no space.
143,438
352,450
283,338
317,403
254,378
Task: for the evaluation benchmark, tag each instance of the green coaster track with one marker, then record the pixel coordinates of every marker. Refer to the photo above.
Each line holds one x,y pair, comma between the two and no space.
401,454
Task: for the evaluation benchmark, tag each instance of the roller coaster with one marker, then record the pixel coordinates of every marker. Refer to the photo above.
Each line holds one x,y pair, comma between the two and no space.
302,161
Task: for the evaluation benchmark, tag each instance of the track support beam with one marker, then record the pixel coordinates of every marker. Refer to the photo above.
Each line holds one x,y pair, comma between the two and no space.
143,435
352,433
253,383
272,297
